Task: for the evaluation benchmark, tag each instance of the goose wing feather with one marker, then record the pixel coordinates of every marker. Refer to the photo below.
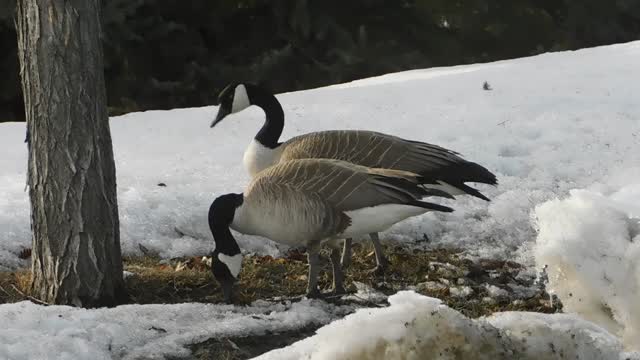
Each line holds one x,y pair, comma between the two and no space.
373,149
343,184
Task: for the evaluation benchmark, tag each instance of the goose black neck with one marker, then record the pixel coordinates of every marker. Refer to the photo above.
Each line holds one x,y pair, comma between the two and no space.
270,132
221,214
225,242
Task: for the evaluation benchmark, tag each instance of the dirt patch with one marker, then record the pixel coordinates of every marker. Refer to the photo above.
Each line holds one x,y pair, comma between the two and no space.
247,347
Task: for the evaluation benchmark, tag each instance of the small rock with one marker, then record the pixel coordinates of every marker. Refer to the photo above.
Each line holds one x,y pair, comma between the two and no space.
25,253
431,286
496,292
207,260
365,293
461,291
488,300
126,274
438,264
383,285
523,292
461,281
182,265
445,269
445,281
144,250
445,272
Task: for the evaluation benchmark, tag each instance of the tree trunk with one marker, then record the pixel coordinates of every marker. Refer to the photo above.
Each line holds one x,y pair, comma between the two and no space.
76,256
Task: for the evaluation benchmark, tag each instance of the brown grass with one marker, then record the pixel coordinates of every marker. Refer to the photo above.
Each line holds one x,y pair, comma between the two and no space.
263,277
156,281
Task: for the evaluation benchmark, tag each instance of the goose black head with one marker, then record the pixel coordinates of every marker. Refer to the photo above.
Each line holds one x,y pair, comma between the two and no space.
227,258
233,98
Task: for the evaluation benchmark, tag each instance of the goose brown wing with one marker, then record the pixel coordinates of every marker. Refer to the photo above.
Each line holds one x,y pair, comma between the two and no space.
343,184
373,149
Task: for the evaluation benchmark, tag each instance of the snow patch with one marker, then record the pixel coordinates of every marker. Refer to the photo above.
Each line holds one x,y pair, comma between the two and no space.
32,331
591,245
419,327
540,130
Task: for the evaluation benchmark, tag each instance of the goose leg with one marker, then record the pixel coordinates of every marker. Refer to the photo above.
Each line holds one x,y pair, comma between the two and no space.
381,261
338,276
314,268
346,253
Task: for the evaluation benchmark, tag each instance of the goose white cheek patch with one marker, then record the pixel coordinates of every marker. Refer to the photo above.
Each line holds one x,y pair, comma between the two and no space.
234,263
240,99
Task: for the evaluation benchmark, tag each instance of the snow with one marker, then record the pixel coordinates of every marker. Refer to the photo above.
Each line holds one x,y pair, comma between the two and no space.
551,124
591,244
419,327
31,331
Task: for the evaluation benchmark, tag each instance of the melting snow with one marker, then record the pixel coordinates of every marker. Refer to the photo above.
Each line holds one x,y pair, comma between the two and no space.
419,327
552,123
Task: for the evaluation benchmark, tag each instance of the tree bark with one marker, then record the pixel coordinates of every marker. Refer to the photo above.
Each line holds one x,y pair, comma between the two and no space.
76,256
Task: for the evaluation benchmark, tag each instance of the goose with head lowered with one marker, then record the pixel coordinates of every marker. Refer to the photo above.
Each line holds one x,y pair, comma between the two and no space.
440,168
310,202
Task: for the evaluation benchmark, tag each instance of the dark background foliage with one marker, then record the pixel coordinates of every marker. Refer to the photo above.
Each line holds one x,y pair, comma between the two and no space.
162,54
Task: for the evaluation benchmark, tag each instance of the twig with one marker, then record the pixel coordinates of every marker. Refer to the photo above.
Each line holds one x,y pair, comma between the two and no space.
367,302
286,298
4,291
37,301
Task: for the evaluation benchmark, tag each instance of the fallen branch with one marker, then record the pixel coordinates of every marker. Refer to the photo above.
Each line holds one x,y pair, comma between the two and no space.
37,301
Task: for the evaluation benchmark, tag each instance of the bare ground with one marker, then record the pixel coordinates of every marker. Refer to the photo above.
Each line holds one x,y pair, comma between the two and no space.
475,288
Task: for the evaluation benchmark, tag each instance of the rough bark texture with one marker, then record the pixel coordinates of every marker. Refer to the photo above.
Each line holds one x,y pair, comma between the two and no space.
72,182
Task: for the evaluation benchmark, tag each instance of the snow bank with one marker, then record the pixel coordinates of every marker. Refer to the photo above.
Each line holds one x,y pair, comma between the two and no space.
552,123
591,245
31,331
419,327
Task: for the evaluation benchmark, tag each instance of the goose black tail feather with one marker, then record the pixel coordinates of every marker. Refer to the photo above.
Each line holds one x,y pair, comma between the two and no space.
469,190
459,173
441,193
399,186
411,189
477,173
430,206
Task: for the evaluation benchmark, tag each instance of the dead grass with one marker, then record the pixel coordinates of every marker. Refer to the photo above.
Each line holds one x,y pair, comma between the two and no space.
156,281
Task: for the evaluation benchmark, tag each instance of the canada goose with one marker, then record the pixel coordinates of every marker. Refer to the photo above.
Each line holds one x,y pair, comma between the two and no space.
444,169
309,202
